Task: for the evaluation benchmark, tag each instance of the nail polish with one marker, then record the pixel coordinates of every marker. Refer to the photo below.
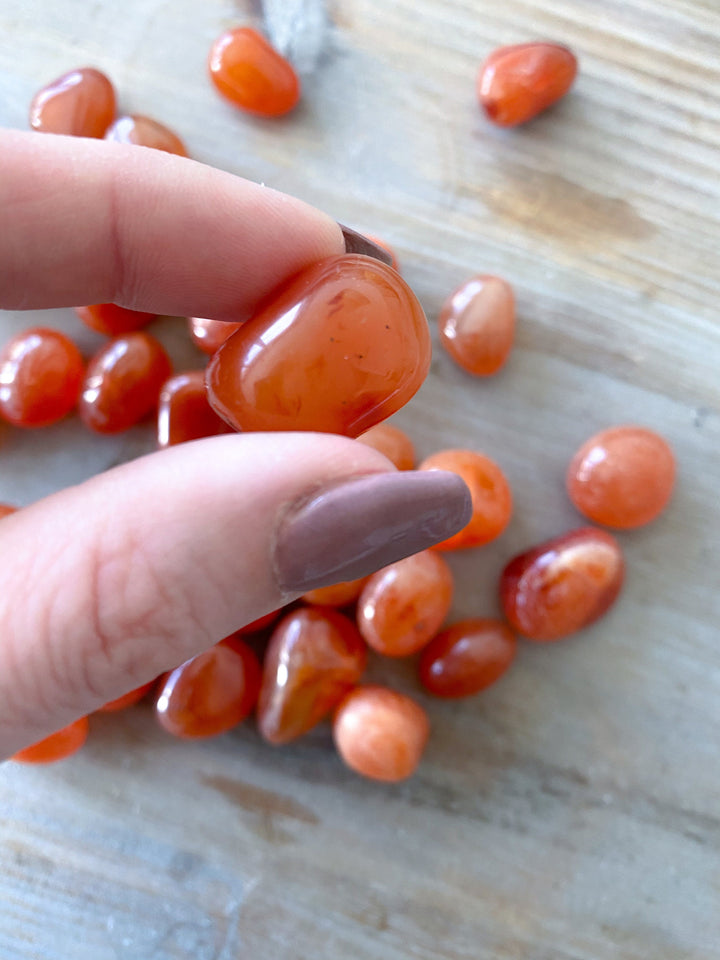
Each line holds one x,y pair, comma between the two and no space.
353,528
358,243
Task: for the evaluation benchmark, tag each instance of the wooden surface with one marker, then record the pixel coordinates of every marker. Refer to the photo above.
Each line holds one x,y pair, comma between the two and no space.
573,812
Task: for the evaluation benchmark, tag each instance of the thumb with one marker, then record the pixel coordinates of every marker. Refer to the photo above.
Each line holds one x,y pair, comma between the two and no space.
107,584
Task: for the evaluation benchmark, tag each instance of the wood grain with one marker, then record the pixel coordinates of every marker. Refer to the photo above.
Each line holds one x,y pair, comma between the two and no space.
571,813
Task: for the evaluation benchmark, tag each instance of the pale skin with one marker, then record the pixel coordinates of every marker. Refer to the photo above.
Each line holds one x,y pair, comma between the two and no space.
105,585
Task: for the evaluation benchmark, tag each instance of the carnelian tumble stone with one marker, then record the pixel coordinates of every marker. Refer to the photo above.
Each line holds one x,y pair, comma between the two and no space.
477,324
210,335
562,585
80,103
112,320
123,383
466,658
315,656
41,372
622,477
211,693
517,83
403,605
251,74
184,412
392,443
380,734
337,595
57,746
338,348
128,699
145,132
490,492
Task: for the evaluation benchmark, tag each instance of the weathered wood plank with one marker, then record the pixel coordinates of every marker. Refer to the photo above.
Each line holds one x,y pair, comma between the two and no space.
572,812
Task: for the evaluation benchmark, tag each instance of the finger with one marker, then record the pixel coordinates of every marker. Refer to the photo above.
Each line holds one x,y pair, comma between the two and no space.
108,584
84,221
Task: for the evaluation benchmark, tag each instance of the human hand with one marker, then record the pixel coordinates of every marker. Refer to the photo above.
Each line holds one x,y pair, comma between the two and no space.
108,584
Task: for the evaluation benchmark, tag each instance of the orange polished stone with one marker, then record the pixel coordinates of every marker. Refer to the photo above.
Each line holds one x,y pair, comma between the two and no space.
6,510
467,657
562,585
386,246
622,477
251,74
112,320
392,443
211,693
380,734
184,412
123,383
404,605
145,132
314,657
517,83
490,491
41,372
337,595
338,348
80,103
57,746
210,335
128,699
260,624
477,324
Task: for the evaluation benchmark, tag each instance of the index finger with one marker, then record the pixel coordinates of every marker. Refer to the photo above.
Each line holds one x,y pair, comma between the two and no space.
85,221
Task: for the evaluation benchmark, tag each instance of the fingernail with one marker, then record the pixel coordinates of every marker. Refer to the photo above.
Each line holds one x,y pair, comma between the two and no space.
351,529
356,243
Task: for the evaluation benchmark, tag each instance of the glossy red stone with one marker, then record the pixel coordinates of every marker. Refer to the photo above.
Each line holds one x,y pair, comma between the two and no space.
57,746
80,103
210,335
622,477
41,372
123,383
468,657
184,412
562,585
380,734
517,83
337,349
211,693
128,699
145,132
315,656
112,320
252,75
477,324
404,605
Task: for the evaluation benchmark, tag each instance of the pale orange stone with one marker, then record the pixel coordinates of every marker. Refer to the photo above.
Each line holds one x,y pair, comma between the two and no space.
380,734
492,502
477,324
392,442
622,477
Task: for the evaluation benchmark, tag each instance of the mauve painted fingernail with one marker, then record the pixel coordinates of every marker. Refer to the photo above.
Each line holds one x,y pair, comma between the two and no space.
357,243
353,528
